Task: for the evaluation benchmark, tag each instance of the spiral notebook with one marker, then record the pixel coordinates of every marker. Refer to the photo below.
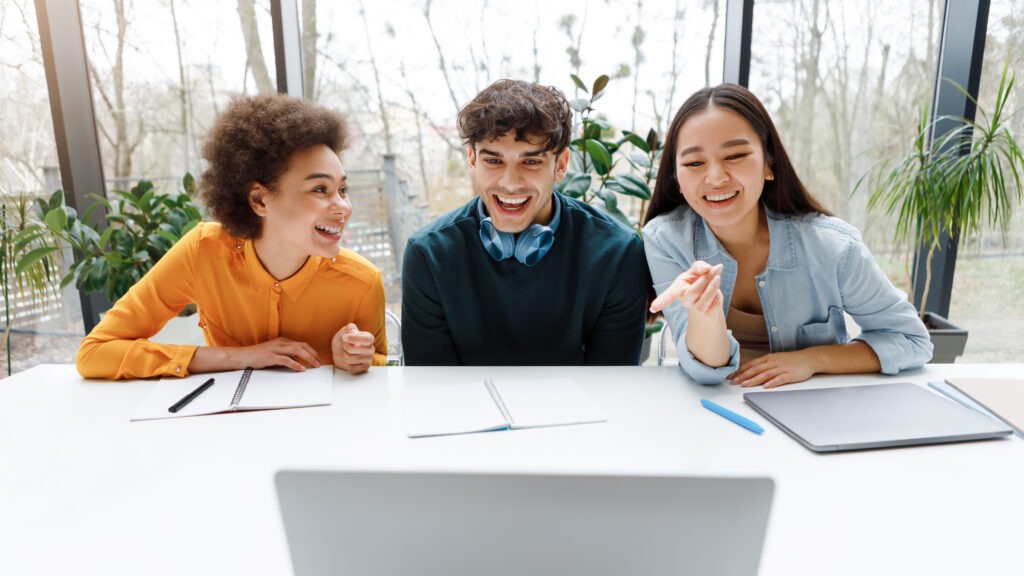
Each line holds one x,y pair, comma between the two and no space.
239,390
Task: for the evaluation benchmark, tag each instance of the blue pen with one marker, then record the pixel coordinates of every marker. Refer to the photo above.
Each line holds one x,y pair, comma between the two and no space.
730,415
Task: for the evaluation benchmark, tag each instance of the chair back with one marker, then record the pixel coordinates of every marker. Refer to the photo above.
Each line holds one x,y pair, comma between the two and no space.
667,348
393,330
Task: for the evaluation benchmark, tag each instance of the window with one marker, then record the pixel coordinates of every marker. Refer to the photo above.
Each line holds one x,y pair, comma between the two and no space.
401,70
846,83
160,71
45,324
986,296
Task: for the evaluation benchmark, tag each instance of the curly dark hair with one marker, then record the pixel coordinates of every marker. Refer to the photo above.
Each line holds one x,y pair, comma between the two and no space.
251,142
531,110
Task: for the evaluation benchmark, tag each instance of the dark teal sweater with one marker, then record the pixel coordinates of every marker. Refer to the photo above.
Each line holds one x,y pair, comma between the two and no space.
583,303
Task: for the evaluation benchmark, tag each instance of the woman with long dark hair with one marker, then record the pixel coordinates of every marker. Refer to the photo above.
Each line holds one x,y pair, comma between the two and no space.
752,274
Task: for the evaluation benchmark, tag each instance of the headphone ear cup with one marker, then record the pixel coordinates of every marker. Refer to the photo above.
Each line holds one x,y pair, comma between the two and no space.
533,244
500,245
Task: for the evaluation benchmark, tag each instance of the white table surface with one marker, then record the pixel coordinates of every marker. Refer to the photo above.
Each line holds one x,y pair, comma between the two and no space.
85,491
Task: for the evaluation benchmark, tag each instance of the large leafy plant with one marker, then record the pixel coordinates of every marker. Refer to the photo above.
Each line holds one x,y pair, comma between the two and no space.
141,226
29,264
956,185
606,163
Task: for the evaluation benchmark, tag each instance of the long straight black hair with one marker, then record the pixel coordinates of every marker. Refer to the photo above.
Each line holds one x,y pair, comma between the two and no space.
785,194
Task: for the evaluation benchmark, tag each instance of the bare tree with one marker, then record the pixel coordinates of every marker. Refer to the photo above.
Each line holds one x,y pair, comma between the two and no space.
123,144
310,36
575,49
253,47
637,41
536,52
440,56
663,114
382,108
184,94
418,115
711,39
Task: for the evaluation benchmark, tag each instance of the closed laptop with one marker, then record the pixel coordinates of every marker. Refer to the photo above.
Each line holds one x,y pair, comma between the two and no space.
426,524
872,416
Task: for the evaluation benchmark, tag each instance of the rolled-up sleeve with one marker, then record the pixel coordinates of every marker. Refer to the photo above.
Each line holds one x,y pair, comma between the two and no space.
665,267
888,321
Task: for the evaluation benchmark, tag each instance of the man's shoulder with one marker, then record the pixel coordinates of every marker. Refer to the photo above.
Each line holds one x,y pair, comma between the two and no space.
444,224
589,220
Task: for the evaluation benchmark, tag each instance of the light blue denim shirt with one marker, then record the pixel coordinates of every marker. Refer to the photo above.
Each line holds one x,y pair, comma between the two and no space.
818,267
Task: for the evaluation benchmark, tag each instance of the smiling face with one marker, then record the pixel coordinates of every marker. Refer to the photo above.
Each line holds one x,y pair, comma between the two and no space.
515,180
721,169
305,212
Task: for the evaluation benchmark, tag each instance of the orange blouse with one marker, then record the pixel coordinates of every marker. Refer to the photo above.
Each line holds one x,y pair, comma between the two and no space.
240,304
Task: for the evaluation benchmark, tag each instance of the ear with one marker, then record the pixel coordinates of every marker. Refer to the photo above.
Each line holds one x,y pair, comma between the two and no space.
471,154
561,164
768,174
258,198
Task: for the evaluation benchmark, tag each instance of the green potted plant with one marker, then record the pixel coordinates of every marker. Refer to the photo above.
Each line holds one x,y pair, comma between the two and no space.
141,226
956,185
606,164
29,265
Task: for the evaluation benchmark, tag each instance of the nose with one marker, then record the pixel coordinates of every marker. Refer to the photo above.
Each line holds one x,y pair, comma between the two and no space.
510,178
716,174
342,204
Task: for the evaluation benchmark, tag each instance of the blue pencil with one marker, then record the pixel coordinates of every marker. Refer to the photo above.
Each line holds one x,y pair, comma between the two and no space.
730,415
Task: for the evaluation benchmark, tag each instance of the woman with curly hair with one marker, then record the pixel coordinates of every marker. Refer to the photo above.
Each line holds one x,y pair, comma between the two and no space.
271,285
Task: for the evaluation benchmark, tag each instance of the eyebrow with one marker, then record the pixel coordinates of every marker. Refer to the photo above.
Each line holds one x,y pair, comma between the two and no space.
527,154
728,144
324,175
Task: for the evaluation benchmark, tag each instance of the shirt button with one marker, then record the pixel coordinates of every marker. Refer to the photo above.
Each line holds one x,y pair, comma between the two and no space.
775,328
178,369
333,259
238,246
761,283
277,284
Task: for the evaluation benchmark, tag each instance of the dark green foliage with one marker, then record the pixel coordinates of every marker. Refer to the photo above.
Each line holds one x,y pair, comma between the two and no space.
141,226
596,173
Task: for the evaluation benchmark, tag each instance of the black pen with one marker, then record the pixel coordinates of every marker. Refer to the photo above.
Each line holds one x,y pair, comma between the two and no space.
191,396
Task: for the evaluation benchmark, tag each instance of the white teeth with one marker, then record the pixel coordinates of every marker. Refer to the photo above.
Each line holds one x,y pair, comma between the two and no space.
329,229
514,201
721,197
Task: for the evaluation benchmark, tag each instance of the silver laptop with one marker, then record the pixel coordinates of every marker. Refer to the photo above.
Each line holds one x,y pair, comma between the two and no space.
872,416
425,524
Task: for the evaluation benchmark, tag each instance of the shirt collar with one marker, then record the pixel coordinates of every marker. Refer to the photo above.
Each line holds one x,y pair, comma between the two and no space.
781,252
293,286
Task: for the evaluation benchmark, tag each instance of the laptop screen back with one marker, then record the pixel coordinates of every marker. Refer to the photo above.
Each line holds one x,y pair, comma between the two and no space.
388,523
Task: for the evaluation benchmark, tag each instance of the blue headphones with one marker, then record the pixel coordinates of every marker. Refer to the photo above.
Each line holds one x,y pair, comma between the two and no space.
532,243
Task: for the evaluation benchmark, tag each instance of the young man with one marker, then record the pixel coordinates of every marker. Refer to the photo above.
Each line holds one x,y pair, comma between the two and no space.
522,275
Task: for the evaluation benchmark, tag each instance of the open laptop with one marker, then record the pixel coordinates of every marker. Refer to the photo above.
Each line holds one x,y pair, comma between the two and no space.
872,416
426,524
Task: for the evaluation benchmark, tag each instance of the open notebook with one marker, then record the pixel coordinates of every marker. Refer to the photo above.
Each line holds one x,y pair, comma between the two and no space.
239,390
491,405
1001,397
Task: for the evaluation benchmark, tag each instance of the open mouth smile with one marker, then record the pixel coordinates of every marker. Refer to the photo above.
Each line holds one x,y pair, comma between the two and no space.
714,198
331,231
512,203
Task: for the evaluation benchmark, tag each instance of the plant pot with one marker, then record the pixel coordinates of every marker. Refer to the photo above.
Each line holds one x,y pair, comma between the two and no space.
949,339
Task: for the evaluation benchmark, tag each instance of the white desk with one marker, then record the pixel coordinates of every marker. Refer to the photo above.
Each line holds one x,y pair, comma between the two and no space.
85,491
